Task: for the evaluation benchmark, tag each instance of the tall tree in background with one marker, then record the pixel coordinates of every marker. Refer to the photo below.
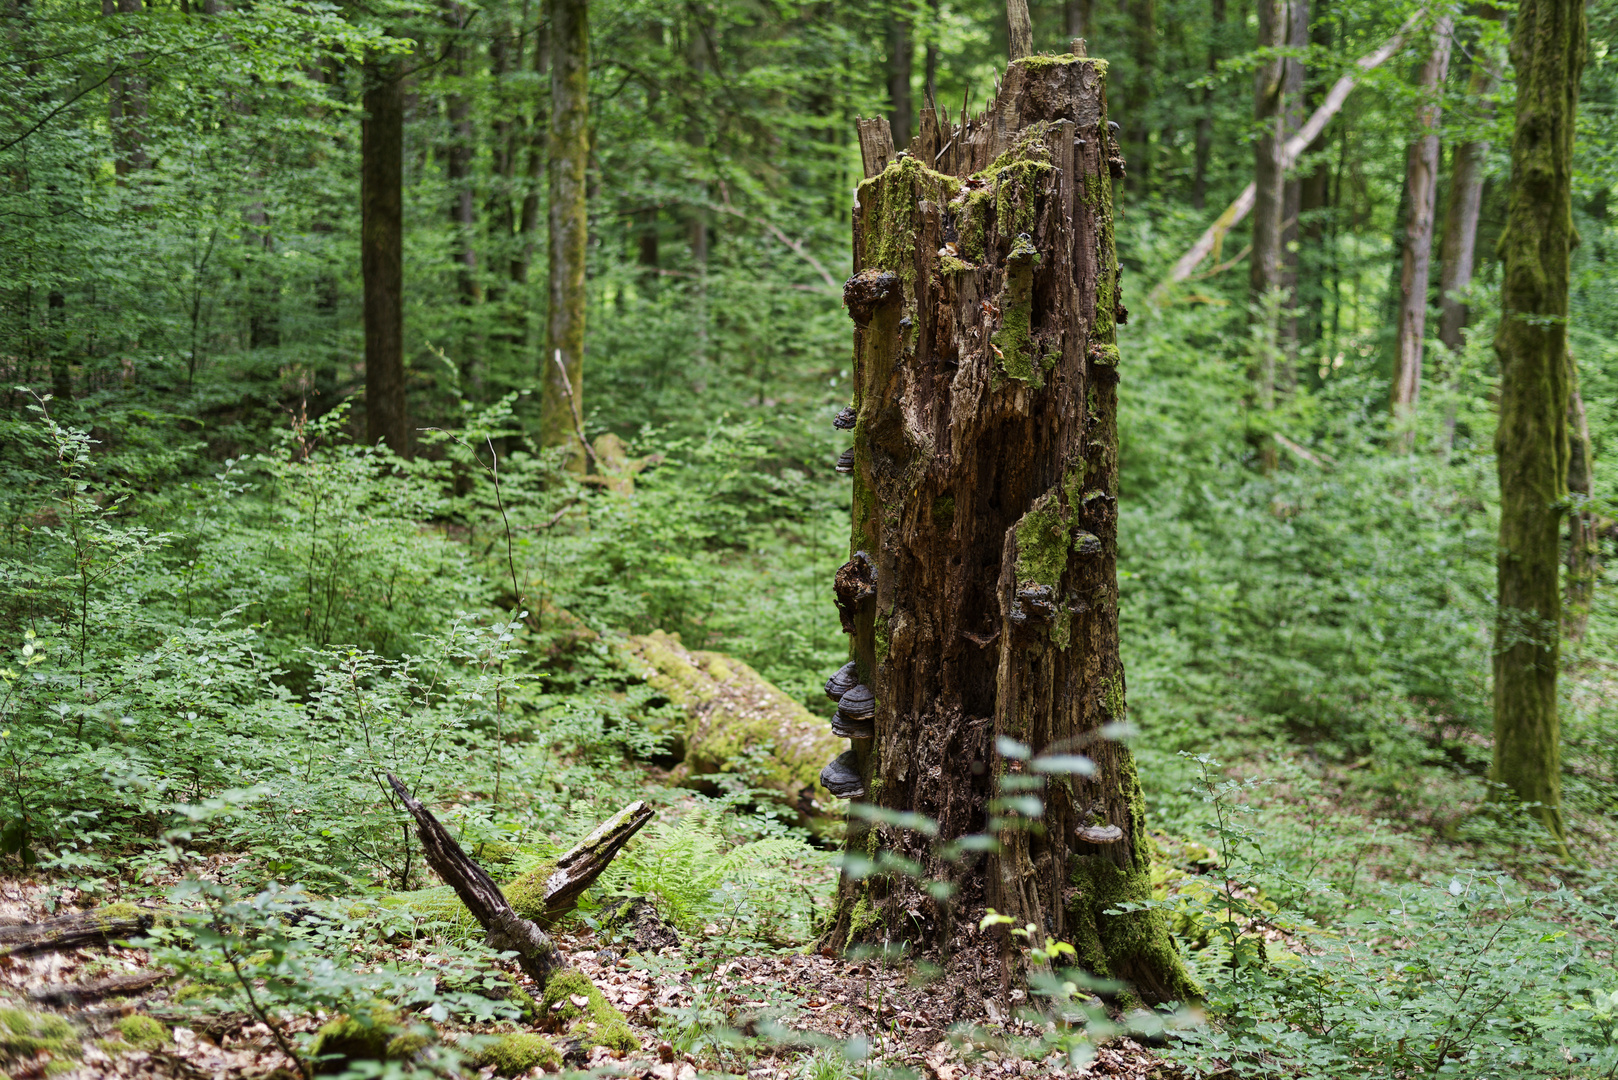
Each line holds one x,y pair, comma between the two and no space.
1205,117
1076,15
1531,442
901,64
1269,181
1137,95
1583,537
1421,194
127,104
562,366
1462,210
1292,102
382,252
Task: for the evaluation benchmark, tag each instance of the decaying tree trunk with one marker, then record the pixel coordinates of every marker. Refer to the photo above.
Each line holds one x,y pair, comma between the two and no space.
982,597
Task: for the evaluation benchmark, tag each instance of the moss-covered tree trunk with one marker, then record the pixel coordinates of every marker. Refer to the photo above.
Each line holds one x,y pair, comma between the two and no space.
982,599
1531,443
562,366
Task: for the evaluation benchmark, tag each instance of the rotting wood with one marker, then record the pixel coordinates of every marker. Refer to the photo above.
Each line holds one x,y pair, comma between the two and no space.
578,869
504,929
82,929
115,986
981,592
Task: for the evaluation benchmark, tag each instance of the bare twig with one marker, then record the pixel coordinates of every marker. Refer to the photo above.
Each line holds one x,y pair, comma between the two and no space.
573,411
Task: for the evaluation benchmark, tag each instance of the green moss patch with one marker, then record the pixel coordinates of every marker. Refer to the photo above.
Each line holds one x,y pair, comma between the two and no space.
517,1053
142,1032
573,1006
25,1035
1042,543
371,1035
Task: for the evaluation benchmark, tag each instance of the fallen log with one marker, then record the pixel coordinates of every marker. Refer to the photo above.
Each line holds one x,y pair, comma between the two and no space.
79,930
546,894
115,986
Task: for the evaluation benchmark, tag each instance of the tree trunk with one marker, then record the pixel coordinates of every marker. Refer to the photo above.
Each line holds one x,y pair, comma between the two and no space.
562,366
1292,81
1138,93
1264,265
382,254
126,104
1020,33
901,64
982,595
1077,13
1314,195
1583,539
56,336
1461,215
1531,442
1421,186
1204,145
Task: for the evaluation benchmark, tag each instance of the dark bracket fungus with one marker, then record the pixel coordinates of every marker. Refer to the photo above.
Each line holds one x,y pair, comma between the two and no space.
858,704
845,461
855,582
844,728
845,419
842,681
1037,600
868,290
1096,834
842,776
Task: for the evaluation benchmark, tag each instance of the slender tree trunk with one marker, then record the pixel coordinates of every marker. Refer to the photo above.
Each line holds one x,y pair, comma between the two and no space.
982,593
1204,145
931,62
1019,30
1461,215
562,366
1583,540
1136,123
1077,18
1421,185
1531,442
901,65
1264,265
1292,102
382,254
1314,194
61,371
126,104
533,169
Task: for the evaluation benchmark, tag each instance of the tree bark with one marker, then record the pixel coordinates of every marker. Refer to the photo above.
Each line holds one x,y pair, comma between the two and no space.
982,596
1077,18
126,104
1421,186
382,254
1531,442
1138,91
562,365
81,929
1204,143
901,65
1583,537
1264,265
1292,102
1461,215
1019,31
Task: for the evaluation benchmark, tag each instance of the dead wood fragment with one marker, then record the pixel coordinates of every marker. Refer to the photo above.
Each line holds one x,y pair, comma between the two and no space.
113,986
503,928
578,869
79,930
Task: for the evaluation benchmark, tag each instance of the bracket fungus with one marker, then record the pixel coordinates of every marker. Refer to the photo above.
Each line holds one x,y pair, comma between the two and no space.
842,681
1094,834
845,461
841,776
854,583
845,419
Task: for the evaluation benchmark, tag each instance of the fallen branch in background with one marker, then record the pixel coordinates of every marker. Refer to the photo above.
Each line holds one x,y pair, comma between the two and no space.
1294,148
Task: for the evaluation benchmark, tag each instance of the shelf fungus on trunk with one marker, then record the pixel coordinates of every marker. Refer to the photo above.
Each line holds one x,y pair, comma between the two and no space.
841,776
854,584
845,419
1100,834
845,461
842,681
854,714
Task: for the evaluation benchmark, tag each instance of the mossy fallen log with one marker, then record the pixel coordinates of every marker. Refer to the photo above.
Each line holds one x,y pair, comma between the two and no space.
738,723
76,931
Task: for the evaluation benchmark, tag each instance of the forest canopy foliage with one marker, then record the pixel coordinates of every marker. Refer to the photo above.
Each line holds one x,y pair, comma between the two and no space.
224,617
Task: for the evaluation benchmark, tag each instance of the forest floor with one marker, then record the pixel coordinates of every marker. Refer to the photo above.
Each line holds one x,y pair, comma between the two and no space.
786,1007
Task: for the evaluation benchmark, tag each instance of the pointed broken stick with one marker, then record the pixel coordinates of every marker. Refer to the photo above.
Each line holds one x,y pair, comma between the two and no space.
503,928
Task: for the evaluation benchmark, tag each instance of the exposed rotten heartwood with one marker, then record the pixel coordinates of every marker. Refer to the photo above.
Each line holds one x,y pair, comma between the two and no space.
981,596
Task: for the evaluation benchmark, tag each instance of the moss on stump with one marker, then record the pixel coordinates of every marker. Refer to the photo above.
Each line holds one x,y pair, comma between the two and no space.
517,1053
574,1007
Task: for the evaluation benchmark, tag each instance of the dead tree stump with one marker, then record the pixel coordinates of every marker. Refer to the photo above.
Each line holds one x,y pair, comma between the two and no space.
981,594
